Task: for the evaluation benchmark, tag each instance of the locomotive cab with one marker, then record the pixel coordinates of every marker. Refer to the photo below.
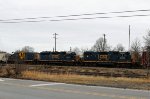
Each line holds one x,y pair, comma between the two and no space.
124,58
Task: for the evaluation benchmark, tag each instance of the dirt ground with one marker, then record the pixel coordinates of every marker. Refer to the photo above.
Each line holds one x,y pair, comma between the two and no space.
97,76
94,71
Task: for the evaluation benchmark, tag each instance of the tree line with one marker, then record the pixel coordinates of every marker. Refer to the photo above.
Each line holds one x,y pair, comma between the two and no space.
102,45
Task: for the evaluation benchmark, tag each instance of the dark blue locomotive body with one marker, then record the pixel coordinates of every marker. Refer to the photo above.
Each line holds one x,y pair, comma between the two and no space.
124,57
70,57
45,57
57,57
51,56
64,58
23,57
29,56
106,58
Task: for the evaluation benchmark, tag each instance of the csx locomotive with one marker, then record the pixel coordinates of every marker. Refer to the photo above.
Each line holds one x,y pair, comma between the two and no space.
45,57
89,58
107,58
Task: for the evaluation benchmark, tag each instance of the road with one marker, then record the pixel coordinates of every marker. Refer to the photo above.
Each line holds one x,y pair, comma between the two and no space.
29,89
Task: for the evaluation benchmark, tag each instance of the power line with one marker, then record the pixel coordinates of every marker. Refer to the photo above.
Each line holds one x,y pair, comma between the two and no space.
140,15
85,14
101,17
22,21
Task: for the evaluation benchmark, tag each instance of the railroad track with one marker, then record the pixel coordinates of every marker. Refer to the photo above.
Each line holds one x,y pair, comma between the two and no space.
94,71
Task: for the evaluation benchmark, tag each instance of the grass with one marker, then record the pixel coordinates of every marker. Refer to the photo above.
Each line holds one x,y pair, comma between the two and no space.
136,83
111,77
6,72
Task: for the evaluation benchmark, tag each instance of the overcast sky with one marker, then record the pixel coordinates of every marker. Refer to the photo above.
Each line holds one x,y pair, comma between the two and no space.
77,33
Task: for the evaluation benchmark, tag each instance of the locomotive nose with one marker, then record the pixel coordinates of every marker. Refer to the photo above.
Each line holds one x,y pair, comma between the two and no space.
21,55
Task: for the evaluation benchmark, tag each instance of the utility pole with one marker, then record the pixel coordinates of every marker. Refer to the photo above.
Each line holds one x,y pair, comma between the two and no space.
55,39
70,49
129,37
104,43
53,49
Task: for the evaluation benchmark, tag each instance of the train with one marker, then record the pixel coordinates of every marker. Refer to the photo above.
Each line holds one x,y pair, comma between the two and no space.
89,58
107,58
44,57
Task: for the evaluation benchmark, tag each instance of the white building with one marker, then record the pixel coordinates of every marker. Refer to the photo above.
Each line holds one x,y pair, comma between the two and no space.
3,57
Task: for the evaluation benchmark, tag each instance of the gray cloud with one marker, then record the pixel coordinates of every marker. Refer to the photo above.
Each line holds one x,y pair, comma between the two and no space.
81,33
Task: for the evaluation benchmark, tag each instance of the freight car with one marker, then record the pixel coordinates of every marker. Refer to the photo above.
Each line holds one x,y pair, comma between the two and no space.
145,61
3,57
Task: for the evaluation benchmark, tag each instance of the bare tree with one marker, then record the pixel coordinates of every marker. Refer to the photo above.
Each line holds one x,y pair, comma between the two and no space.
100,45
147,39
119,47
27,49
135,51
17,51
147,46
84,49
136,46
77,50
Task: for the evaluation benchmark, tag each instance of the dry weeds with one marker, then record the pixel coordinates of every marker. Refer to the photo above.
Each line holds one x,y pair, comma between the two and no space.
136,83
7,71
112,77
